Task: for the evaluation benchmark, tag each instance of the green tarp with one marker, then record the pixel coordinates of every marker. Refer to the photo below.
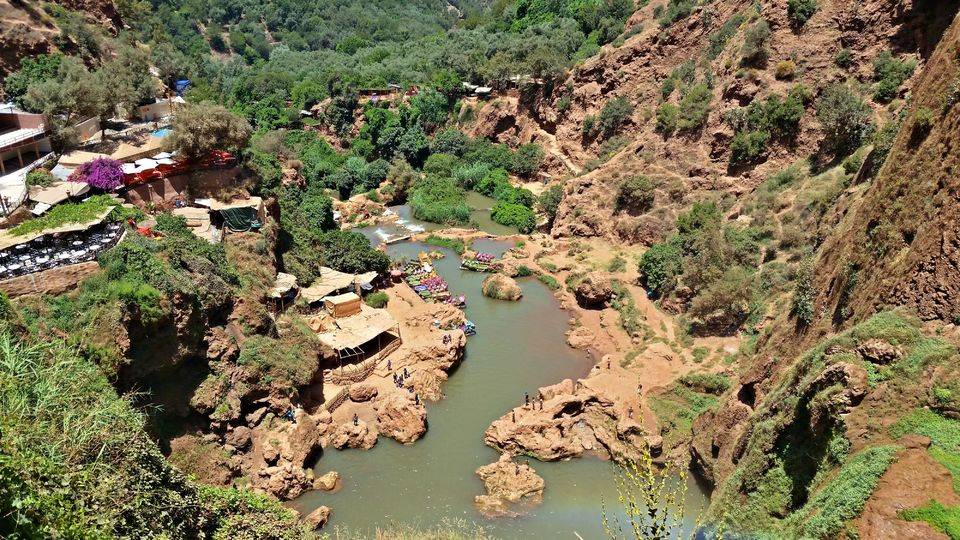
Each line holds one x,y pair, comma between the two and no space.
241,219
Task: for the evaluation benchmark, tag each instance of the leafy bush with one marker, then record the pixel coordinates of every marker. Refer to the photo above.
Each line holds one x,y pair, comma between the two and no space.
694,107
844,58
674,11
549,202
351,252
455,244
708,383
439,200
845,118
725,303
514,215
923,120
889,74
549,281
719,39
527,159
40,178
668,118
613,116
800,11
636,193
942,518
659,267
804,294
748,146
754,50
377,299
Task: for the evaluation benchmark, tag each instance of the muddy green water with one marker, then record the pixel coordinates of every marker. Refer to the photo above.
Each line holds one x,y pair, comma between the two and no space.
519,347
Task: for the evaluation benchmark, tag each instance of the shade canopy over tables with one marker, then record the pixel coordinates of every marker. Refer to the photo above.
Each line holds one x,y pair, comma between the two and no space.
79,157
128,152
331,281
283,285
58,192
354,331
8,240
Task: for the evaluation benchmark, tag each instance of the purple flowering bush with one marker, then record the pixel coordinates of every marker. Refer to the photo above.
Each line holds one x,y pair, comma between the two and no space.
103,173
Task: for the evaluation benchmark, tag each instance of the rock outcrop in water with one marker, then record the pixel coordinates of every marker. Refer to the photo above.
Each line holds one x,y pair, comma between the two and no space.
508,483
501,287
567,420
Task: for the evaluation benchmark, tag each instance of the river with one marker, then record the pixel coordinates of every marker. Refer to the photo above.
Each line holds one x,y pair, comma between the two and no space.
519,347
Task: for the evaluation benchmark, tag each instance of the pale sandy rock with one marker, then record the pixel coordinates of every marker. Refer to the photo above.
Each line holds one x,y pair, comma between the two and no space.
400,418
354,436
501,287
581,338
327,482
361,392
318,518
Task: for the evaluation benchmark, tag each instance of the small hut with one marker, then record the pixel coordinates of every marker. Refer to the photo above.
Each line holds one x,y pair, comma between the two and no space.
342,305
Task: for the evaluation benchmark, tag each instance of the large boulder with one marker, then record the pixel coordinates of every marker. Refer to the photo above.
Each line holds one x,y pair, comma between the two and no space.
318,518
501,287
349,435
400,418
593,291
361,392
510,480
327,482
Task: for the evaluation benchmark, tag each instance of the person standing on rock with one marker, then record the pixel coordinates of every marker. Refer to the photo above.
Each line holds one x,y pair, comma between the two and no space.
390,365
630,413
526,399
416,399
513,416
356,419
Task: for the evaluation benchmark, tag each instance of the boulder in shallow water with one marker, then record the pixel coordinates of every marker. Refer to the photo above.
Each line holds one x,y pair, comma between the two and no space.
507,483
400,418
501,287
318,518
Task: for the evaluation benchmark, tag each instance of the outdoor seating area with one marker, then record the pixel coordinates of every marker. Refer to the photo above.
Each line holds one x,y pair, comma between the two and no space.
51,251
429,285
480,262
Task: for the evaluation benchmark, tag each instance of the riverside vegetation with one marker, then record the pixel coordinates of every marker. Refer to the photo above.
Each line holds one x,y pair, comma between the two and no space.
767,176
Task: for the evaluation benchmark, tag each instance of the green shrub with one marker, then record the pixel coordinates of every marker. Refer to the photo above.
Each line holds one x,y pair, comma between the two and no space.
844,58
804,294
923,120
668,118
708,383
439,200
636,193
589,127
719,39
942,518
549,202
800,11
456,244
694,107
843,498
527,159
377,299
748,146
659,267
674,11
845,118
40,178
549,281
890,74
754,50
615,113
617,264
514,215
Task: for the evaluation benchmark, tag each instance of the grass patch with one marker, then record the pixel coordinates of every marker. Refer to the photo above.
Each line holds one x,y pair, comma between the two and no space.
549,281
944,436
676,410
456,244
377,299
707,383
942,518
843,497
64,214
